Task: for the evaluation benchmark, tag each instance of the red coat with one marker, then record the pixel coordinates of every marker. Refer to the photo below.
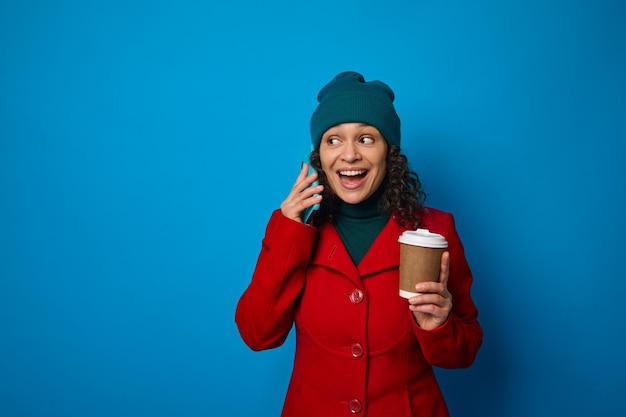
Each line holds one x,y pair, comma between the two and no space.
358,347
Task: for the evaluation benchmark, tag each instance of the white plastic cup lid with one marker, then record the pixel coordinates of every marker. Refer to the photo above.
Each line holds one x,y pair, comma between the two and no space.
424,238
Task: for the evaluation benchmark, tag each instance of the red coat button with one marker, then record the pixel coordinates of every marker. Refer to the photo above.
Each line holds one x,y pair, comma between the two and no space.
356,296
356,350
355,406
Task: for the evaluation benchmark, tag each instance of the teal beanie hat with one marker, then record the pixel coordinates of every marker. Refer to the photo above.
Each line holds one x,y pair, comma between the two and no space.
348,98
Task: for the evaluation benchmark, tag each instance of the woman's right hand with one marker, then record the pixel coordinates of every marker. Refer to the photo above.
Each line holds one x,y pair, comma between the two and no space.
302,195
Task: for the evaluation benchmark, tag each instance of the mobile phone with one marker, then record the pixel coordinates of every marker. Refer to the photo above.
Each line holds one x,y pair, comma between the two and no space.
307,212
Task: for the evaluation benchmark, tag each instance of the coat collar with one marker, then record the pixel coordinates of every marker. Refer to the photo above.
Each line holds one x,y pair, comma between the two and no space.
384,253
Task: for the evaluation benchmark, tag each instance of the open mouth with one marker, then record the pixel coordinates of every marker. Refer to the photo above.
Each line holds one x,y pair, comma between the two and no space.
352,176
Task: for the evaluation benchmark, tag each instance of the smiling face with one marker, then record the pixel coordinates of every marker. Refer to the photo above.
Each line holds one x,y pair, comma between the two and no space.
354,159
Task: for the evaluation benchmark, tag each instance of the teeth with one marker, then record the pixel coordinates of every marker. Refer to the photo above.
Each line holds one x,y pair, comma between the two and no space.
351,173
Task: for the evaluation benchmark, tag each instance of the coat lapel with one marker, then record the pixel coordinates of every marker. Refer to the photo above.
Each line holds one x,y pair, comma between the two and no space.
330,252
384,253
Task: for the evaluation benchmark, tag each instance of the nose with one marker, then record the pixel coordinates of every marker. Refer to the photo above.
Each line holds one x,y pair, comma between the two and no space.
350,152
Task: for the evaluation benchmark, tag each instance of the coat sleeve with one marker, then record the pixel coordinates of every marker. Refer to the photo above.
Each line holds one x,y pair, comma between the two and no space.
455,343
264,313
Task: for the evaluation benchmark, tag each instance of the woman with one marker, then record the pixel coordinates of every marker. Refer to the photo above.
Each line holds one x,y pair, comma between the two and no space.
360,347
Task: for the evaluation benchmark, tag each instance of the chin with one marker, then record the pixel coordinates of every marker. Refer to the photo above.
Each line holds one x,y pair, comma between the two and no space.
353,199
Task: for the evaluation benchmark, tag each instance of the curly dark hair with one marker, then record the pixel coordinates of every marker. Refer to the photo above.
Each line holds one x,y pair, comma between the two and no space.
402,195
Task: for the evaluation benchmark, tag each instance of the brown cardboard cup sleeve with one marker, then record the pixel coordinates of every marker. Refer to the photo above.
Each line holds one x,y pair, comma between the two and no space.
420,259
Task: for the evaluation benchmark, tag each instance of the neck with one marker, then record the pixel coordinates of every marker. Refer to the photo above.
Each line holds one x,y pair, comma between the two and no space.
359,224
365,209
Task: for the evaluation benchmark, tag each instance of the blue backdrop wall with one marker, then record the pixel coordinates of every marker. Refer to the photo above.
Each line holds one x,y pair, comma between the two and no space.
144,144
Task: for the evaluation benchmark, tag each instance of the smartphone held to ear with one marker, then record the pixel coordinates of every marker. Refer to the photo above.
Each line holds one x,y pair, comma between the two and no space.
306,214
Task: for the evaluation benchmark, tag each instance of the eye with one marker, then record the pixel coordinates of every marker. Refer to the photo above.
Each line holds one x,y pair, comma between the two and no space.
332,141
367,140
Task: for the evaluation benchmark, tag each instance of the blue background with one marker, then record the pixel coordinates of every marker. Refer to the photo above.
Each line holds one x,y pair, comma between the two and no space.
144,145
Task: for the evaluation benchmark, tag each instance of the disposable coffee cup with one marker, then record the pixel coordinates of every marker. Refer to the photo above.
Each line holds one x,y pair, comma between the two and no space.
420,259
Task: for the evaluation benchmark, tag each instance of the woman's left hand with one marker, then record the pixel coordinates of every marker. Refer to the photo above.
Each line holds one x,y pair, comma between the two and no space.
432,306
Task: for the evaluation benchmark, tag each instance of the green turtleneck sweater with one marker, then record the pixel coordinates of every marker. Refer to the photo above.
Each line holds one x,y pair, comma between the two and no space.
359,224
